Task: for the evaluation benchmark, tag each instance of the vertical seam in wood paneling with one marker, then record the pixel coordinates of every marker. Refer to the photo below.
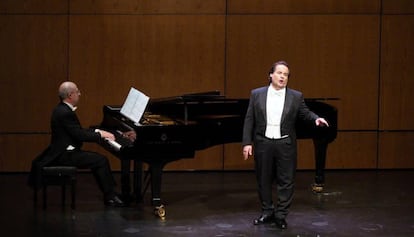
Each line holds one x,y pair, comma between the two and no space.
68,41
225,76
379,80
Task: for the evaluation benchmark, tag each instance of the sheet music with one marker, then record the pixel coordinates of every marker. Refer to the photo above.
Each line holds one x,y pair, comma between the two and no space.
134,105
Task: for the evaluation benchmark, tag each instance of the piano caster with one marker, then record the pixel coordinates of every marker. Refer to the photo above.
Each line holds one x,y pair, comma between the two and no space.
317,188
160,211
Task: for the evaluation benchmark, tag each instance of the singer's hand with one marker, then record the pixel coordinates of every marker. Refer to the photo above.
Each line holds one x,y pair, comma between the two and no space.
321,122
247,151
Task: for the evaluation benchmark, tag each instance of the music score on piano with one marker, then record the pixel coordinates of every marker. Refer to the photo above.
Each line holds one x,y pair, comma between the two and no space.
134,105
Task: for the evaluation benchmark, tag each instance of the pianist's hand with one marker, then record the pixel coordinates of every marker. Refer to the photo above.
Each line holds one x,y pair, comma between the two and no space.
131,135
247,151
106,135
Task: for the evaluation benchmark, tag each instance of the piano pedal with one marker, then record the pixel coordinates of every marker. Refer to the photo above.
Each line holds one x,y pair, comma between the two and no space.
160,211
317,188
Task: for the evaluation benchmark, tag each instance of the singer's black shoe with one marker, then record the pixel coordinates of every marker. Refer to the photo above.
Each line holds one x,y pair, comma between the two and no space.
281,224
264,219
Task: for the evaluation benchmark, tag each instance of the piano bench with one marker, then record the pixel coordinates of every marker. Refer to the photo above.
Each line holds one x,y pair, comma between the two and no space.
61,176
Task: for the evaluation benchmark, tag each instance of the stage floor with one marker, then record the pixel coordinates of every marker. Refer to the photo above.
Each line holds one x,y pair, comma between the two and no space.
354,203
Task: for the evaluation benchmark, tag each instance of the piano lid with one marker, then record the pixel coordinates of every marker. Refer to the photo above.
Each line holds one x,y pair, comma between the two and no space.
192,97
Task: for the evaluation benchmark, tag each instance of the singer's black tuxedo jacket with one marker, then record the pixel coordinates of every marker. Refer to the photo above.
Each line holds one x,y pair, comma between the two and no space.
255,120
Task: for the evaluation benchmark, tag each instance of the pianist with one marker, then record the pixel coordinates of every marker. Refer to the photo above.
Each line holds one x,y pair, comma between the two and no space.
66,143
270,126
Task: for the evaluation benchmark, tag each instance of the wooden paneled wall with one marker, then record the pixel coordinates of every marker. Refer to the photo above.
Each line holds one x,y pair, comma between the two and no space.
359,51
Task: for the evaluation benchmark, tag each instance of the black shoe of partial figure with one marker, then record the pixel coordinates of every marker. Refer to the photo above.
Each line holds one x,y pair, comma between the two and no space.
115,201
264,218
281,223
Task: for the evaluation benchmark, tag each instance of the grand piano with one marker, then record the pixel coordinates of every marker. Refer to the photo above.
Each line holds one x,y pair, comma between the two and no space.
175,128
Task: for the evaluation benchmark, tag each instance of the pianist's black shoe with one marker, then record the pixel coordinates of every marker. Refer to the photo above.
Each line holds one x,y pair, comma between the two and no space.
115,201
264,219
281,223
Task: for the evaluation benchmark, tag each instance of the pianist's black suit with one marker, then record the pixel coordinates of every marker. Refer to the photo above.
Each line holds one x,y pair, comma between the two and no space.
275,158
67,131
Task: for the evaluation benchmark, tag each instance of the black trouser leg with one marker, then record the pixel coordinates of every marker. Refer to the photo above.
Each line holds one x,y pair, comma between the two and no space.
98,164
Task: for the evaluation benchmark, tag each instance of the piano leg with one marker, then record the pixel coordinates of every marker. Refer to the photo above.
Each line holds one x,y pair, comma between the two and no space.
138,180
321,147
156,177
156,180
125,179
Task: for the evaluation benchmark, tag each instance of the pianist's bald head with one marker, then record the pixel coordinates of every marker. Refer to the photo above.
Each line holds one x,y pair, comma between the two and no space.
66,88
69,92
